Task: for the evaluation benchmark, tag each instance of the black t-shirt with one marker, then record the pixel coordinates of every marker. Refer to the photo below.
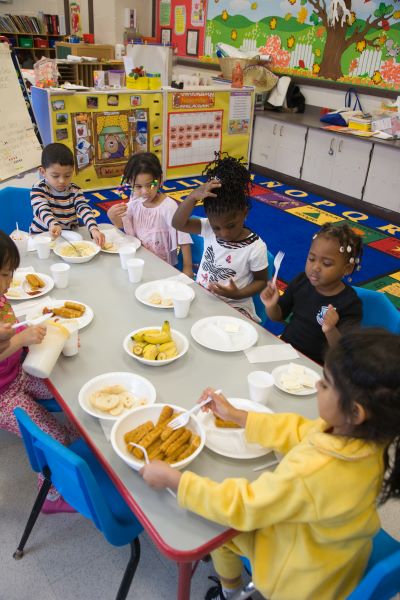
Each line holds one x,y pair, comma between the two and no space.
304,331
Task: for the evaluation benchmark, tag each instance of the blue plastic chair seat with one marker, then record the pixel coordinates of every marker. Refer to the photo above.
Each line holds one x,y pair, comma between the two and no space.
15,206
378,310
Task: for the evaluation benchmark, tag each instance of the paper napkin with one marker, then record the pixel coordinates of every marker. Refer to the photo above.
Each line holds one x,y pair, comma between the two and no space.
271,353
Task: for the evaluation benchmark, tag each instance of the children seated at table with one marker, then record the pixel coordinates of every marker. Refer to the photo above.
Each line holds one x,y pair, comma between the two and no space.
307,526
17,388
322,306
56,201
234,264
148,214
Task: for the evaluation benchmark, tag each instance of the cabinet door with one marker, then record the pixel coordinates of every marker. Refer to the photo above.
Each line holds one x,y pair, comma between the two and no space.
383,181
290,151
319,158
265,142
351,165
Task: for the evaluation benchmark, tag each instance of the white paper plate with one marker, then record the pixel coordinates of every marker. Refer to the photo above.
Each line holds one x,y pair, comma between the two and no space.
136,384
232,442
118,238
82,321
164,287
283,369
22,290
226,334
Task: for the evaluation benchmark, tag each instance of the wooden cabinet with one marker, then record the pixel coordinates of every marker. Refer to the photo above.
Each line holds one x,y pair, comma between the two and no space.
383,181
336,162
278,146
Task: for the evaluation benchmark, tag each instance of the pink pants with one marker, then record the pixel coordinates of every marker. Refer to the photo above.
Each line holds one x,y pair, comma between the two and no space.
23,392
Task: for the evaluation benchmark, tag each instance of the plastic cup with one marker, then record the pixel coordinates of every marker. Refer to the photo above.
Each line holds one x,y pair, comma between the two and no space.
71,345
42,357
181,300
260,386
60,274
135,269
125,254
20,239
43,246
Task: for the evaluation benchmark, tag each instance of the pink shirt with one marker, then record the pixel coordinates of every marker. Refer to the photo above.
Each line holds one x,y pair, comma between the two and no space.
153,227
9,367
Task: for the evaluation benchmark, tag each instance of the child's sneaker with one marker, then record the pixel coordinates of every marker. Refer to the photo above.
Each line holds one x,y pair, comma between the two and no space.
215,592
51,507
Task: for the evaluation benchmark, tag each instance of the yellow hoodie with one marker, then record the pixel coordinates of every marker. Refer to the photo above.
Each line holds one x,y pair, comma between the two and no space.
310,522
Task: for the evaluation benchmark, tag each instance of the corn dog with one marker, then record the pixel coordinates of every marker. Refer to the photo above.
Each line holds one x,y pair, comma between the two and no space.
165,414
184,437
75,306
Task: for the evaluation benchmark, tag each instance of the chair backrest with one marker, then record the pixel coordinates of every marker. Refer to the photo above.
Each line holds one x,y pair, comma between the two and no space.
15,206
378,310
381,580
70,474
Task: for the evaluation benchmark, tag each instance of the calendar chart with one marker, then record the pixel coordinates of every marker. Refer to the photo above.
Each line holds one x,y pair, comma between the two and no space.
194,137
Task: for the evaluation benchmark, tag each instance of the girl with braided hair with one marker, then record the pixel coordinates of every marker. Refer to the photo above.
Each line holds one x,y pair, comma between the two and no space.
234,264
322,305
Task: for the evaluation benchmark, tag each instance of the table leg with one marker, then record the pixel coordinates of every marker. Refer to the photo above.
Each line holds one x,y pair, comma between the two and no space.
184,580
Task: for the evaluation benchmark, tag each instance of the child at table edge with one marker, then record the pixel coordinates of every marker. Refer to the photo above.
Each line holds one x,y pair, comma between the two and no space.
307,527
56,201
234,264
148,214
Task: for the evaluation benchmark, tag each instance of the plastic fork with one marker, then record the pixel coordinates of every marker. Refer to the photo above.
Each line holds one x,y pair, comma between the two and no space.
36,321
71,244
277,263
183,419
147,460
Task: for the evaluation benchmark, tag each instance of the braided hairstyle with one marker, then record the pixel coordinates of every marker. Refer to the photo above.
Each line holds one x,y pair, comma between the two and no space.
364,366
142,162
350,243
235,187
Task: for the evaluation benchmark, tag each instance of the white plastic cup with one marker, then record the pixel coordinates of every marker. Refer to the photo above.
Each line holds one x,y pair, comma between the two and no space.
20,239
260,386
43,246
181,300
71,345
125,254
42,357
60,274
135,269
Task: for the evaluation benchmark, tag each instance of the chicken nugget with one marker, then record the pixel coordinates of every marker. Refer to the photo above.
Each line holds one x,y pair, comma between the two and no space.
170,438
65,313
147,440
225,424
176,456
136,434
154,449
192,447
182,439
75,306
165,414
34,280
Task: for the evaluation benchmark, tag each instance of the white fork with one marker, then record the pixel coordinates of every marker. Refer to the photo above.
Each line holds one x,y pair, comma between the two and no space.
147,460
277,263
183,419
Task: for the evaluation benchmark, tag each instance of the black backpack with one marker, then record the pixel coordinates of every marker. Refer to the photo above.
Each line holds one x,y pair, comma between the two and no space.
294,101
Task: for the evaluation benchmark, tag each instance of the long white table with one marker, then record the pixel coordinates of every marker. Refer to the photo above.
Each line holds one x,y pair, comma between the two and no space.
103,285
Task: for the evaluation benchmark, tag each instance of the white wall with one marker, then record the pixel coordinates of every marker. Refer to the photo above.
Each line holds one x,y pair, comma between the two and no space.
32,7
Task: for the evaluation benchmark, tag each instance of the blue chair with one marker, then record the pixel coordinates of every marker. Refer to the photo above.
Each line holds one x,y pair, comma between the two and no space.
378,310
197,253
381,580
84,484
15,206
50,404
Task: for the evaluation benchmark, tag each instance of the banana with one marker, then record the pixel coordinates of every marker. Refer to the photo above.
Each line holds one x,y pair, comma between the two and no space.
167,346
138,349
139,336
162,356
150,352
166,328
171,353
161,337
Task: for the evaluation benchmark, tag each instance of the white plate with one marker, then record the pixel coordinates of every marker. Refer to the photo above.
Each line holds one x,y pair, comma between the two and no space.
181,341
60,245
283,369
164,288
137,385
118,238
140,415
72,236
232,442
24,287
226,334
82,321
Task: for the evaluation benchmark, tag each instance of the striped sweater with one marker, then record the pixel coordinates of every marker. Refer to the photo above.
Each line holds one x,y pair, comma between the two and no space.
59,208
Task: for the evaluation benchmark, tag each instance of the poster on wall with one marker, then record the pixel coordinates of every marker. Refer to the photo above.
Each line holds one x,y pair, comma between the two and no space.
193,137
180,20
197,13
182,23
350,41
239,112
165,13
75,17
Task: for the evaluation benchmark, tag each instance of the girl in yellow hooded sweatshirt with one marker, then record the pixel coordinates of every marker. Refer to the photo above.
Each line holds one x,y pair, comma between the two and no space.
307,526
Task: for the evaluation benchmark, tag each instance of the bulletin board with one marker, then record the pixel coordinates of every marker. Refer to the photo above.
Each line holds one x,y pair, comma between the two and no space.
182,24
103,129
199,123
346,41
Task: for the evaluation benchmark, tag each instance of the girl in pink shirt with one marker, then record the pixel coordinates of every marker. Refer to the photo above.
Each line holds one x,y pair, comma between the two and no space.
17,388
149,212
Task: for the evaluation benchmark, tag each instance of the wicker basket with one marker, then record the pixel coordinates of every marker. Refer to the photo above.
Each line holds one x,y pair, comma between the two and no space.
227,64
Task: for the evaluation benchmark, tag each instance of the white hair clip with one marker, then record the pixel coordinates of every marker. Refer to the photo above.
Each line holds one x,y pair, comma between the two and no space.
315,236
357,261
351,260
349,248
341,249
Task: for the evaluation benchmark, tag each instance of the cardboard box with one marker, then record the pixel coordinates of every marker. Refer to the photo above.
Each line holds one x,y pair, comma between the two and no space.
99,51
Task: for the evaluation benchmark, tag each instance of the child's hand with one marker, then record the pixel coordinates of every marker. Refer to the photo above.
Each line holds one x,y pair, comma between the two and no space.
98,236
55,231
188,271
33,335
160,475
331,319
220,406
118,210
230,290
205,190
270,295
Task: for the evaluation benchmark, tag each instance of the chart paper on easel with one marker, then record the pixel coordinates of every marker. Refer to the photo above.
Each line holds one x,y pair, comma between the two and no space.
20,149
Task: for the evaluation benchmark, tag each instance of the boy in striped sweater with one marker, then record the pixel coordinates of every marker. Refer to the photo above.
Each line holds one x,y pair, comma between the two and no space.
56,201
